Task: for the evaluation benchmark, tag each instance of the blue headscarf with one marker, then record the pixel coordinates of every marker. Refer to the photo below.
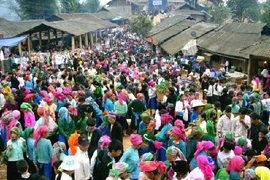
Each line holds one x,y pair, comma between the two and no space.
63,114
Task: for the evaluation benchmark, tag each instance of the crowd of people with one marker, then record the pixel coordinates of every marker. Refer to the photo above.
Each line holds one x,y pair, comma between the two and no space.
183,119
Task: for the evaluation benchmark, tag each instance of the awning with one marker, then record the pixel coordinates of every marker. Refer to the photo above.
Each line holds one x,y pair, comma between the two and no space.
14,41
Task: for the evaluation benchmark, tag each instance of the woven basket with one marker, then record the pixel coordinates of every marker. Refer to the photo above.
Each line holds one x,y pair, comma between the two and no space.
160,96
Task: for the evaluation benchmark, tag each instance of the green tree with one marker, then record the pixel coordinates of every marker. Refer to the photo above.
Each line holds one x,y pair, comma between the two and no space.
92,6
71,6
35,9
265,16
141,25
243,9
218,13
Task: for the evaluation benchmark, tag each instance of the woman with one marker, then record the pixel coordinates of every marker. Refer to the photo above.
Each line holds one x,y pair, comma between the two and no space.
204,171
66,126
121,110
108,100
235,166
181,109
29,116
177,139
118,171
257,87
210,135
263,173
68,166
152,102
197,106
153,169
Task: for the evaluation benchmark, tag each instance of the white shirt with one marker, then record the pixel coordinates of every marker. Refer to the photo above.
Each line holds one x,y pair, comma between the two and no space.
186,178
198,174
264,73
181,107
225,124
158,122
223,158
83,173
238,128
21,82
64,177
2,100
93,162
131,96
210,91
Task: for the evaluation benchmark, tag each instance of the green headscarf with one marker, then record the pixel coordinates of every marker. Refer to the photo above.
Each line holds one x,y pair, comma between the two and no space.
242,141
229,136
206,107
210,128
179,96
210,112
145,116
105,122
10,98
222,174
27,132
26,106
16,130
147,157
174,151
199,130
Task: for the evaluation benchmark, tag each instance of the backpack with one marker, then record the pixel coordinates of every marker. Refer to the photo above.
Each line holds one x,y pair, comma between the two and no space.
97,168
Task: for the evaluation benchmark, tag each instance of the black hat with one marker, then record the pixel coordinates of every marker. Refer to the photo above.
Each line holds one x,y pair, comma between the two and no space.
180,167
83,140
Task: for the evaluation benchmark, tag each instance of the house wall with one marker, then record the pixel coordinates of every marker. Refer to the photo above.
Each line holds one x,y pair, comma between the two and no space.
256,65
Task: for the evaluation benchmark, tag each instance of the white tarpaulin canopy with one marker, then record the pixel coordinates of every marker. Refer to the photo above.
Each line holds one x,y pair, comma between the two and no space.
190,49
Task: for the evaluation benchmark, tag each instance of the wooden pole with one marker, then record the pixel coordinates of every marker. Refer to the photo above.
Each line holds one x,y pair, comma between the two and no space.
86,39
91,40
100,34
29,45
49,38
40,39
56,40
80,41
73,42
96,37
20,49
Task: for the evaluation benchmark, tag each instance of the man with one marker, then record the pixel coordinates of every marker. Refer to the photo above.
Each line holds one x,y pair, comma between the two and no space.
83,173
241,124
115,128
256,125
225,122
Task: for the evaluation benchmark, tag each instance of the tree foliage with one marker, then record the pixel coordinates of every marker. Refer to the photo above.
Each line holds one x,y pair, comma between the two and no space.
71,6
35,9
92,6
218,13
141,25
265,16
244,9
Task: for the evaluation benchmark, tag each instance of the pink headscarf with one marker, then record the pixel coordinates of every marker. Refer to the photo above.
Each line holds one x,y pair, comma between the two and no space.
104,142
27,91
205,167
151,83
121,98
48,99
42,111
73,110
136,139
237,150
139,96
166,118
38,133
257,80
51,88
67,90
43,93
235,164
60,96
177,131
16,114
28,97
204,145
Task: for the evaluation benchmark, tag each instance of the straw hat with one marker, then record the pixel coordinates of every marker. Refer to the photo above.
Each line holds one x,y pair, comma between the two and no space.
69,164
197,103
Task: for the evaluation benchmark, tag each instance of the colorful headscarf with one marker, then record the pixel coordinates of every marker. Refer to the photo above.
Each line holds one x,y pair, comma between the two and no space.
262,172
16,114
48,99
27,106
174,151
16,130
206,167
136,139
166,118
73,110
64,114
10,99
121,98
59,95
28,97
235,163
150,166
210,112
43,93
237,150
27,132
73,142
147,157
58,148
179,123
249,174
51,88
210,128
6,118
229,136
140,96
145,116
38,133
104,142
118,169
177,131
242,141
204,145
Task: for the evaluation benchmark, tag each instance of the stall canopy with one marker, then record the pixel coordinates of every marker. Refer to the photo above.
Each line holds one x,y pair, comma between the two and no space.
14,41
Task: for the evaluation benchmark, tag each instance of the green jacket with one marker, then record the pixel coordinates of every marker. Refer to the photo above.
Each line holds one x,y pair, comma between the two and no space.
66,129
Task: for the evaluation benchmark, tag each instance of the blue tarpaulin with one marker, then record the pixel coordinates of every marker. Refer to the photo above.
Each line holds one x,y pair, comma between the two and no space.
13,41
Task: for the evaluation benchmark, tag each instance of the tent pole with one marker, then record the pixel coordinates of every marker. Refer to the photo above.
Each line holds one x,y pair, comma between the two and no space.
20,49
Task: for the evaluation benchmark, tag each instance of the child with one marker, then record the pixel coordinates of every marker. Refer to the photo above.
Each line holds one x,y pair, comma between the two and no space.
29,116
43,151
118,171
68,166
115,150
16,146
28,135
225,154
93,135
82,157
22,168
259,143
56,165
131,155
58,151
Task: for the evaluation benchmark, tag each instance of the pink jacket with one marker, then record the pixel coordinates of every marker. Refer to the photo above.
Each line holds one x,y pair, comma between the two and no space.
29,119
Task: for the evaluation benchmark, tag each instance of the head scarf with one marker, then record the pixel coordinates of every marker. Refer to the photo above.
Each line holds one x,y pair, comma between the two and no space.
73,110
73,142
118,169
43,93
27,132
204,145
6,118
205,166
51,88
104,142
262,172
177,131
27,106
249,174
166,118
15,130
210,128
257,80
147,157
4,83
64,114
242,141
174,151
229,136
235,163
121,98
48,99
210,113
58,95
179,123
151,83
237,150
139,96
145,116
136,139
58,148
28,97
10,99
38,133
16,114
150,166
42,111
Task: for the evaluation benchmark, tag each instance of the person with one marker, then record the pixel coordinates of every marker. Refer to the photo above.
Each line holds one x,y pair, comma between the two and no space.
197,106
56,166
115,129
16,146
29,117
153,169
181,109
22,168
121,110
241,124
28,135
204,169
259,143
43,152
68,166
234,168
225,153
256,125
225,122
262,172
177,139
181,170
83,172
58,151
115,150
118,171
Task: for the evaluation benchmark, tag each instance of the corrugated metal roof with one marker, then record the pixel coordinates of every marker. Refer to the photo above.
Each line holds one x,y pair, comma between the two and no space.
167,23
261,48
176,43
172,31
231,38
187,12
8,28
123,11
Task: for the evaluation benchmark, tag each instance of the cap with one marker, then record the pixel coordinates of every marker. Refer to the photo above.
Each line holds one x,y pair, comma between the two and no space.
83,140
